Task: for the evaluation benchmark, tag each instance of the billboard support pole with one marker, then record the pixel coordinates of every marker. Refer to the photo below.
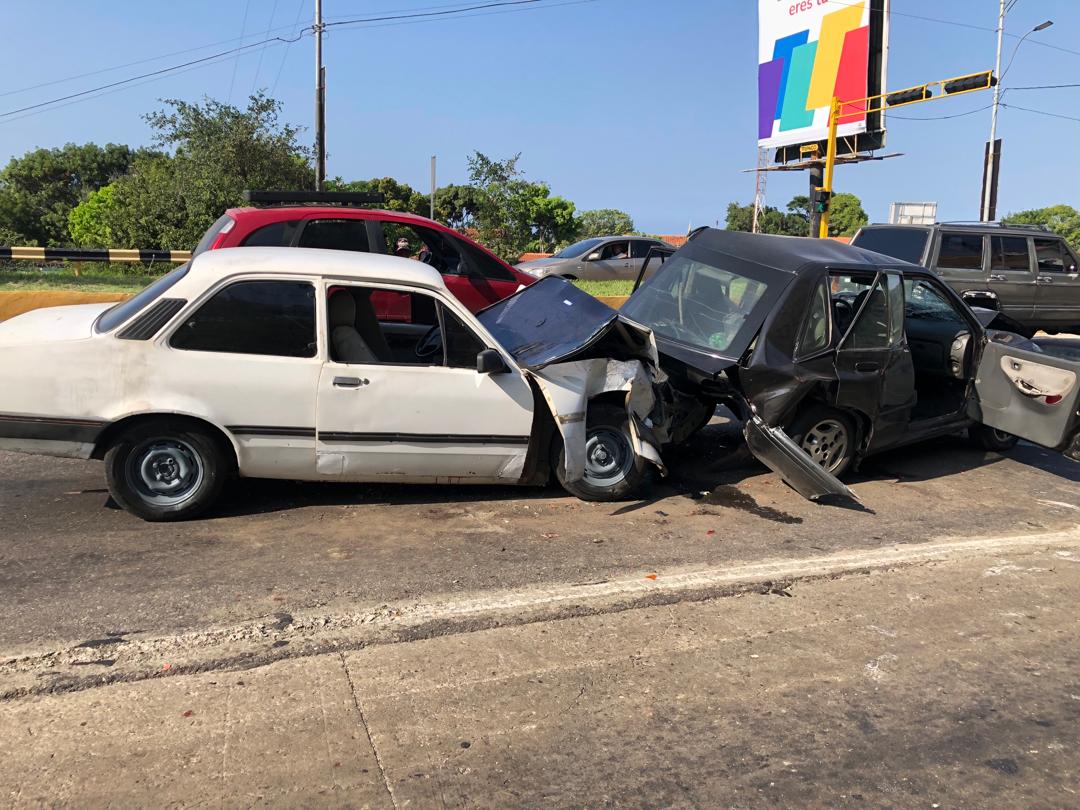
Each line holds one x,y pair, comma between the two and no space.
830,164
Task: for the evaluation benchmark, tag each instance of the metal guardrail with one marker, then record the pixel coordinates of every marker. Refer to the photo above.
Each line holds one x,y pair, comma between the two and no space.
40,254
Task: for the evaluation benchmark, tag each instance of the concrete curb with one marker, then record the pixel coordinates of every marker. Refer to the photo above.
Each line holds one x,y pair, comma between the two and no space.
16,303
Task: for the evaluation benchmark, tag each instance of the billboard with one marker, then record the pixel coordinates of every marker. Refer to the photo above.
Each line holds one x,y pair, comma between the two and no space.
810,51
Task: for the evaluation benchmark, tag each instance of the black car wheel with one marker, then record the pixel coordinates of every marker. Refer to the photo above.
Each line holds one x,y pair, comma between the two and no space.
612,470
166,470
989,438
827,436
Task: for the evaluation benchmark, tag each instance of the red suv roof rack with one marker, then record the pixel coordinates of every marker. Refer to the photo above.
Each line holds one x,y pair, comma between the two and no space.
316,197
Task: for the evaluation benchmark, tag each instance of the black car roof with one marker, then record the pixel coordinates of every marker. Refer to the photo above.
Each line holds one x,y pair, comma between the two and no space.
788,253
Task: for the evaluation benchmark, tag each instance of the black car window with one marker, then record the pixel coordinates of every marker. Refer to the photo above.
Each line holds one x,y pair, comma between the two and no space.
462,345
120,313
906,244
639,248
276,234
815,331
961,251
895,285
1051,256
253,317
871,327
336,234
924,303
1009,253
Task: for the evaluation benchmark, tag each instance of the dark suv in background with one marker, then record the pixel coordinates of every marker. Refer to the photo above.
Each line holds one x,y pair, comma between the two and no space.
1025,272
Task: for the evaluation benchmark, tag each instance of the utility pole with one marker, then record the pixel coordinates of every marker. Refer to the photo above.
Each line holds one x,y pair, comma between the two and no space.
320,102
990,168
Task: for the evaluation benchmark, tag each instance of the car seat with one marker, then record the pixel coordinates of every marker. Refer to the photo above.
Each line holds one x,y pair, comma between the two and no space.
346,345
367,325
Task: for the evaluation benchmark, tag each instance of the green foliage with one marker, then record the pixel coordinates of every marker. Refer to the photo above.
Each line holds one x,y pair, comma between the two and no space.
168,201
398,196
846,215
770,220
1061,219
456,206
552,220
88,221
511,214
39,190
605,222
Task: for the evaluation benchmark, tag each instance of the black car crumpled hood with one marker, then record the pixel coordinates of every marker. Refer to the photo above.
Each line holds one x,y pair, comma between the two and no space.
548,322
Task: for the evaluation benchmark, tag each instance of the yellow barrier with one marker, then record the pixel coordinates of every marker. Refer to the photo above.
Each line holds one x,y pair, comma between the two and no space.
16,303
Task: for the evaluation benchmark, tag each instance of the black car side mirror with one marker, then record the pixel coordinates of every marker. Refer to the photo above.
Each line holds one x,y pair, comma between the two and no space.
490,361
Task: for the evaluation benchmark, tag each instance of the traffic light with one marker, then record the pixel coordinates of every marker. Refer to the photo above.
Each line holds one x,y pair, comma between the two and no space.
975,81
908,96
819,200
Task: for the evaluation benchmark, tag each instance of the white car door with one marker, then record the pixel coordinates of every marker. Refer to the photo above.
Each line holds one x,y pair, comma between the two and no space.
399,415
246,357
1031,394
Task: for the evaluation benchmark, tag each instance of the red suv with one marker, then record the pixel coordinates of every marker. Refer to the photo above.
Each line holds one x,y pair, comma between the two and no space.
472,273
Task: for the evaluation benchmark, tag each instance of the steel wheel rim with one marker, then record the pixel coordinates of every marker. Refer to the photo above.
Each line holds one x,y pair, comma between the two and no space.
608,457
827,443
165,472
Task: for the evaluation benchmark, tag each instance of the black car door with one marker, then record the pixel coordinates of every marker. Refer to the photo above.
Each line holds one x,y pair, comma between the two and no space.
875,373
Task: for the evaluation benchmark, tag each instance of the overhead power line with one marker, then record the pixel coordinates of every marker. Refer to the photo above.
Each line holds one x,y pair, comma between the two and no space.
404,18
1042,87
1041,112
890,115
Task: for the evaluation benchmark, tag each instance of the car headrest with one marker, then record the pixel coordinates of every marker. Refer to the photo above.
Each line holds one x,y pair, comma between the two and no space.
342,309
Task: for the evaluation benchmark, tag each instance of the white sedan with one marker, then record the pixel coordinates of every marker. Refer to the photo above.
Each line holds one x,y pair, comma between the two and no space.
327,365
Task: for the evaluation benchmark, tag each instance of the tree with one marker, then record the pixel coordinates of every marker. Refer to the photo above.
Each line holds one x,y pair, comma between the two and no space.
846,215
88,222
770,220
39,190
168,201
506,202
397,196
605,222
552,220
457,205
1061,219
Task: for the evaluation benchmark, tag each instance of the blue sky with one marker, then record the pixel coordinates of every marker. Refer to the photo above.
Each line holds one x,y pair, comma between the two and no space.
641,105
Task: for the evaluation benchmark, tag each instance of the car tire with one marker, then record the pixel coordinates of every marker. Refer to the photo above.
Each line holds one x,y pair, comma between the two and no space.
167,470
613,472
827,436
989,438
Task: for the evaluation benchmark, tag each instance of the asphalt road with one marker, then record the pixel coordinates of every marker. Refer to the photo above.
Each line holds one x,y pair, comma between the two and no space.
73,568
935,685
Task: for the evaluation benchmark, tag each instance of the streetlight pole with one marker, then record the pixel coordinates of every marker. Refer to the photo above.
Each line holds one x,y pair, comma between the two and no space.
320,102
989,191
988,207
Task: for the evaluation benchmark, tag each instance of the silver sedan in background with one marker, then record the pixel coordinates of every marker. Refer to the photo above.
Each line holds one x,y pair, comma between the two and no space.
600,258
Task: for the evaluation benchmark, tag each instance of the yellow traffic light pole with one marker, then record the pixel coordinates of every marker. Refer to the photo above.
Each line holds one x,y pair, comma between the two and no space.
969,83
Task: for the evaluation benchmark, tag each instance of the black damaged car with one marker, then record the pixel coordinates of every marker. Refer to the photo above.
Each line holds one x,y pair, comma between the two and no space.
829,353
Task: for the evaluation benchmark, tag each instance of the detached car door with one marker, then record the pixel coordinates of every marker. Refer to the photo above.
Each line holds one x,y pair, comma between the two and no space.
1029,393
394,409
